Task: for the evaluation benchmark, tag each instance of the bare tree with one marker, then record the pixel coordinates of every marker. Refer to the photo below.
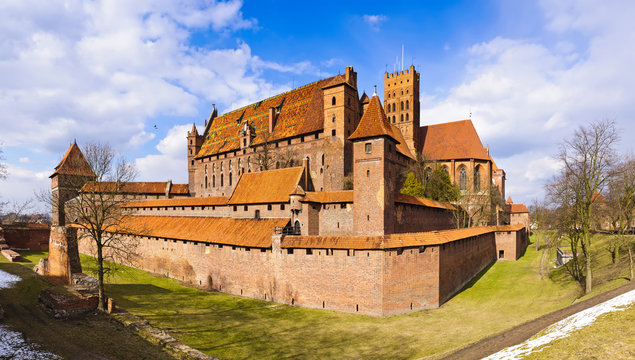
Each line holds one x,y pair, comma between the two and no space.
588,160
622,201
96,209
267,158
18,210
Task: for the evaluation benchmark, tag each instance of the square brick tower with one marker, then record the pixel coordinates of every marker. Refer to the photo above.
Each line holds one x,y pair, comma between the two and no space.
401,102
374,173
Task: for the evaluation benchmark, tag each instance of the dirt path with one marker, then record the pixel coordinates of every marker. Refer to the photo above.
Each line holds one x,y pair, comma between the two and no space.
523,332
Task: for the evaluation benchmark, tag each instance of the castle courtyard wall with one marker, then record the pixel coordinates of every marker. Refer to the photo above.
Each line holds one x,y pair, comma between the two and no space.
412,218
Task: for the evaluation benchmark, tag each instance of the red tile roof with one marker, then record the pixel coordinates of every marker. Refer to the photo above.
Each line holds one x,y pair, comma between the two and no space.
390,241
239,232
187,201
373,123
328,197
364,99
414,200
453,140
154,188
271,186
73,163
518,209
301,112
402,147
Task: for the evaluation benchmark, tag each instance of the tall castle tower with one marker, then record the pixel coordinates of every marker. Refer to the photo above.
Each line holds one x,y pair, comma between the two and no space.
401,104
194,142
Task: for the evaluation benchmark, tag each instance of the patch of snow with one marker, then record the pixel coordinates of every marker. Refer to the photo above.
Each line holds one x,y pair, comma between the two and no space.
564,328
7,280
13,346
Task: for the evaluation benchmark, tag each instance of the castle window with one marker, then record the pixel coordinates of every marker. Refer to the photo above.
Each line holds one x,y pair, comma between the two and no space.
206,181
463,179
281,206
244,142
333,132
277,164
367,173
407,90
192,162
221,179
246,208
333,100
388,108
369,148
190,142
230,179
402,105
317,136
407,117
407,105
342,206
205,169
302,139
477,179
190,151
402,91
296,227
269,207
394,107
333,117
401,117
235,208
322,159
289,141
393,119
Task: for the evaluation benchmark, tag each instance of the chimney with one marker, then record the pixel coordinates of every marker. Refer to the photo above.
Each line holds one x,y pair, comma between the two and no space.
305,165
351,76
272,119
168,187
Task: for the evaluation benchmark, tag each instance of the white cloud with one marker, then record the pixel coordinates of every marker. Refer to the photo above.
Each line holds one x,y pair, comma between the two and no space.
24,159
171,162
374,21
527,96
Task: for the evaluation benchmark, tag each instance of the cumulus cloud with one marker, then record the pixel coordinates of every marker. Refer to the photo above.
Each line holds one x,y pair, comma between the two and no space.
374,21
170,162
526,96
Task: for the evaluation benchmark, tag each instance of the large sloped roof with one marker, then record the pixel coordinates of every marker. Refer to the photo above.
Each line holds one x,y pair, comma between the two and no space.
135,188
453,140
329,197
518,209
218,230
419,201
184,201
373,123
270,186
73,163
301,111
390,241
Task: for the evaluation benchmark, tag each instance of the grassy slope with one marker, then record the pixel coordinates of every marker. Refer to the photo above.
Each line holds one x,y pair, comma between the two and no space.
617,340
90,338
232,327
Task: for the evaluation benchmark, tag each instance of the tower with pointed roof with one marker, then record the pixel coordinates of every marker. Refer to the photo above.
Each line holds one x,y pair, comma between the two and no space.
69,176
375,172
194,142
401,104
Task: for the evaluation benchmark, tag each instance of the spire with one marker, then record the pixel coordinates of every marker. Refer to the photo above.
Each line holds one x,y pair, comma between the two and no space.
194,131
73,163
373,123
374,90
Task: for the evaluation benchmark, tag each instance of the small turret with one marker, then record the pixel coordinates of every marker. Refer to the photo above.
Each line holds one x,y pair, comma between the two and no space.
194,143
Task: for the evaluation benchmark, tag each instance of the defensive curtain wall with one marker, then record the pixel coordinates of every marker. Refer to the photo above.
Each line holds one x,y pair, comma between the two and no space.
380,275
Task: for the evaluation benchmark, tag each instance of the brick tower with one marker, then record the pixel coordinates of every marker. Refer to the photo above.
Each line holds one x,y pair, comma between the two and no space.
194,142
374,173
401,102
341,114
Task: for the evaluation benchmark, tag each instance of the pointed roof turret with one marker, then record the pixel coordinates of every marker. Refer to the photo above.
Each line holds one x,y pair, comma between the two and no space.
364,99
509,200
194,130
373,123
73,163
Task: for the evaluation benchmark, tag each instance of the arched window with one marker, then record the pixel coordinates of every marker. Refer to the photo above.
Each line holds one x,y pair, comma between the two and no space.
463,179
401,92
333,117
221,166
206,170
388,108
277,164
322,159
402,105
401,117
477,179
230,179
214,167
296,227
333,101
407,117
389,95
445,169
394,119
213,181
206,181
221,179
407,104
394,108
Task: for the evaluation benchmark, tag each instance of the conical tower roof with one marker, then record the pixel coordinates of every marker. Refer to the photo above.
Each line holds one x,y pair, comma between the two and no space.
73,163
373,123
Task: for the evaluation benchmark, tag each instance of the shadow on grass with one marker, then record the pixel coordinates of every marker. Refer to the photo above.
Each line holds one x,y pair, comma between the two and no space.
473,281
138,289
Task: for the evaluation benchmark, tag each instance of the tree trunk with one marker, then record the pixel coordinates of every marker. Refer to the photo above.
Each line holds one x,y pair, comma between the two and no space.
589,277
100,275
630,260
537,238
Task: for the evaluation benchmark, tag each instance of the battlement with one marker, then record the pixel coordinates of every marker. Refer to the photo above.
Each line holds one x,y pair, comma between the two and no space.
407,72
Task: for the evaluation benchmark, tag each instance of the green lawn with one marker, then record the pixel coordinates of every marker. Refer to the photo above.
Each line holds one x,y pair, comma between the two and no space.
231,327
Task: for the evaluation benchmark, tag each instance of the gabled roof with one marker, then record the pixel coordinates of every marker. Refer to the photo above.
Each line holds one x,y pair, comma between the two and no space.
373,123
518,209
329,197
301,111
223,230
154,188
186,201
364,99
270,186
73,163
402,147
453,140
414,200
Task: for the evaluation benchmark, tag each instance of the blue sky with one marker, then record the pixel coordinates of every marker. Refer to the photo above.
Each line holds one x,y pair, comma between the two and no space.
529,72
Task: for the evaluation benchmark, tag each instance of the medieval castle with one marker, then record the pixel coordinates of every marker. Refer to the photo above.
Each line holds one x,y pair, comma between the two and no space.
295,199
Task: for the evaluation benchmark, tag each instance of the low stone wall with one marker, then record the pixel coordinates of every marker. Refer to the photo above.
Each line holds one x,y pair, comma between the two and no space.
26,236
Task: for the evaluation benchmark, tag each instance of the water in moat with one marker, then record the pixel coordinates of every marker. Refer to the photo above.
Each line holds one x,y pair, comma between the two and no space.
12,343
